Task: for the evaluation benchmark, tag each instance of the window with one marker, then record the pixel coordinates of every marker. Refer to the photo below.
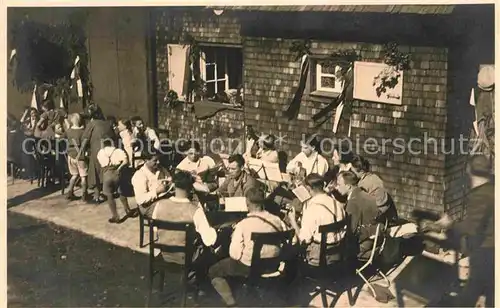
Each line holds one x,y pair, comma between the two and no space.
324,80
222,70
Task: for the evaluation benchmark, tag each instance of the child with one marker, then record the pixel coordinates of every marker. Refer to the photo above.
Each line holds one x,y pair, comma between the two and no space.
77,164
116,178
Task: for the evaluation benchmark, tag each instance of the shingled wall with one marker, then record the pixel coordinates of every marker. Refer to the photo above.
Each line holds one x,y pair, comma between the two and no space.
415,181
181,122
271,76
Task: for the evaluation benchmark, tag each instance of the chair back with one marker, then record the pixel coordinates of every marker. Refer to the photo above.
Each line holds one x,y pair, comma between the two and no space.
342,247
379,240
187,249
263,265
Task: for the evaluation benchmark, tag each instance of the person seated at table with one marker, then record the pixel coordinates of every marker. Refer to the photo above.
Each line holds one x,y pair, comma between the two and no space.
180,208
320,210
144,133
195,164
309,160
151,183
374,186
238,181
241,247
115,178
362,210
342,158
267,152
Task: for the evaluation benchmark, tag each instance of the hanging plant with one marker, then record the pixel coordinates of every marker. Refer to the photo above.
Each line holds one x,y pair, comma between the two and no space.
301,48
171,99
396,62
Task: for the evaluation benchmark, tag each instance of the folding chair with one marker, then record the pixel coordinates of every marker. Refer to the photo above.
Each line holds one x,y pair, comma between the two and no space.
379,240
325,272
157,265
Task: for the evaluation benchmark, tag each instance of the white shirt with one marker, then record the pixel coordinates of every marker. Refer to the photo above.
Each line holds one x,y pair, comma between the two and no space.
270,156
150,135
204,163
127,139
208,234
145,183
318,211
111,156
315,163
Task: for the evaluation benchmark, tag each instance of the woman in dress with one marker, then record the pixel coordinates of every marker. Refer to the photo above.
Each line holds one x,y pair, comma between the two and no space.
96,131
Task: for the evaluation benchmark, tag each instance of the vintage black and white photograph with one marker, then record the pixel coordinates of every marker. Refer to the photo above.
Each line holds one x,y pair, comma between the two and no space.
250,156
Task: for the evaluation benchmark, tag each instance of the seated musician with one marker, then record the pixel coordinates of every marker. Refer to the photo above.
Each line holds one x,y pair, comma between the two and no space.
374,186
267,151
145,134
362,210
151,183
238,181
179,208
241,248
320,210
309,160
196,164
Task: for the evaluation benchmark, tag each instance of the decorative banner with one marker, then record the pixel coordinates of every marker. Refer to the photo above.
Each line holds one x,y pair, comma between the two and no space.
472,100
61,103
34,103
293,109
338,114
12,54
73,72
45,93
79,88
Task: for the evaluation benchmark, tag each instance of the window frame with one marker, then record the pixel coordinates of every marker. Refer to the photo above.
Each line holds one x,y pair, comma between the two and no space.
339,85
203,68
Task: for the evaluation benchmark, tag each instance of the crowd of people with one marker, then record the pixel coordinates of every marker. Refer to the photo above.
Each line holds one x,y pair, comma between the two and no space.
119,159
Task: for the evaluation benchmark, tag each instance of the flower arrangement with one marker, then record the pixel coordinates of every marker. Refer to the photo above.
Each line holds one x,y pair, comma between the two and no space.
171,99
396,62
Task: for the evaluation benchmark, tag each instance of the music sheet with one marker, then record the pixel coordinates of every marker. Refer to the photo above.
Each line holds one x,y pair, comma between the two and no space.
236,204
302,193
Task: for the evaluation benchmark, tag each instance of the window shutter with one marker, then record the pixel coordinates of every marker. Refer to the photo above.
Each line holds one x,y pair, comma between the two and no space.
178,68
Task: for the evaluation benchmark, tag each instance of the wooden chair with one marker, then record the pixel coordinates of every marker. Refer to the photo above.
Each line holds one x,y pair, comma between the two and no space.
268,270
157,265
322,276
144,221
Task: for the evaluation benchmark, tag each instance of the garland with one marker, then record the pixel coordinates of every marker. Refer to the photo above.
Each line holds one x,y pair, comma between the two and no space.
301,48
45,55
397,62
